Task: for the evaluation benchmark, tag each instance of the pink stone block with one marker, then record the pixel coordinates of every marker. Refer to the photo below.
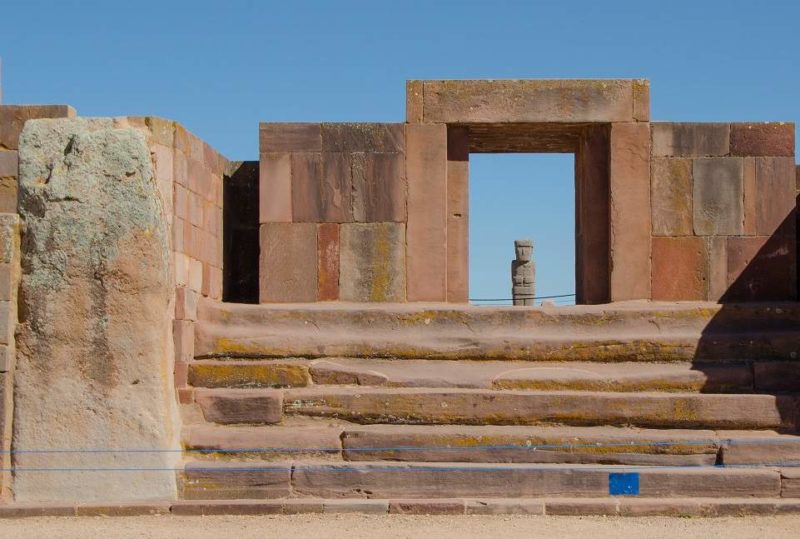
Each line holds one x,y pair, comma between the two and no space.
630,211
288,262
328,257
275,188
186,303
426,172
183,336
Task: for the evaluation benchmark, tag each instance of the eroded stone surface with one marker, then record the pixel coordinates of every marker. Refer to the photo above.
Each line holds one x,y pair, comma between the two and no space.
94,341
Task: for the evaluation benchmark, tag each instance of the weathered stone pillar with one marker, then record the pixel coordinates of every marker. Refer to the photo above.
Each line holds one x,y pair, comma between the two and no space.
523,274
94,350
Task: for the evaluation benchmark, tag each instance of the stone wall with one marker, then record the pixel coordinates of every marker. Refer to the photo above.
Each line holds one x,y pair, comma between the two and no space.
189,174
12,120
723,221
332,212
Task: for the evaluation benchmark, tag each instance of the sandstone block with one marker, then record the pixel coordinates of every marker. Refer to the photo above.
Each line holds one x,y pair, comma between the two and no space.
241,406
8,195
790,483
288,262
9,162
8,281
761,268
773,197
275,188
716,248
427,507
442,480
378,187
97,295
734,483
457,215
6,358
307,170
291,137
13,118
773,139
690,139
328,372
476,407
426,170
630,211
503,101
762,451
501,506
247,374
578,507
363,137
377,507
266,443
373,262
414,101
328,258
783,376
680,269
233,507
641,100
335,189
235,481
671,192
186,303
718,196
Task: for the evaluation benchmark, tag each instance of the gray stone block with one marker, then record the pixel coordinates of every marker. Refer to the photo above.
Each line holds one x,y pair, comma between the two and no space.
372,264
718,200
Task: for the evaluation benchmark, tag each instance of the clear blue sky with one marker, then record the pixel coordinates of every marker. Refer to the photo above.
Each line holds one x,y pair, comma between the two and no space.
221,67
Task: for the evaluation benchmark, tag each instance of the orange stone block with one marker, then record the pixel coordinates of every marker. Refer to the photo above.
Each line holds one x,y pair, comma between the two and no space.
679,269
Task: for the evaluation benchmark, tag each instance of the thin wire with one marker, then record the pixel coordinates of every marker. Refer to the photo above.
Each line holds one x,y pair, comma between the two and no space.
537,297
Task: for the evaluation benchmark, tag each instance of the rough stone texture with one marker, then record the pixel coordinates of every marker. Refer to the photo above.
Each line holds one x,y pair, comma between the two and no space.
306,187
247,374
776,139
94,339
457,215
9,162
241,406
229,481
378,187
500,101
630,211
268,442
774,195
373,262
328,259
426,168
13,118
671,194
290,137
646,332
761,268
718,199
479,407
275,188
680,269
363,137
690,139
288,267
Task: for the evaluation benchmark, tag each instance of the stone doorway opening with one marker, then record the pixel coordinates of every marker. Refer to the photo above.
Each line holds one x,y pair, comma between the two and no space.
589,146
521,196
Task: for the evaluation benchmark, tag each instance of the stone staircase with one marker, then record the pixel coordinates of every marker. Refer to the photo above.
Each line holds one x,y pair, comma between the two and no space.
274,415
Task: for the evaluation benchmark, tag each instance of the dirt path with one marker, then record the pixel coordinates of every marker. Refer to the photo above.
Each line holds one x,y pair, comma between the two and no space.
372,527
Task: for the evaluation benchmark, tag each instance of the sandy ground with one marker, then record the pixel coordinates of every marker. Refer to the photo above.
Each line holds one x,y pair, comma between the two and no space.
361,526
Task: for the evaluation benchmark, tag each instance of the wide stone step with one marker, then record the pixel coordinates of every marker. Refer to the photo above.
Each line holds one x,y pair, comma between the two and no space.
368,405
458,443
708,377
637,331
225,480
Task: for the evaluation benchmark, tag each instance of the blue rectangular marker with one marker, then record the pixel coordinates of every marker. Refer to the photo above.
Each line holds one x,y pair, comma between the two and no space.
623,484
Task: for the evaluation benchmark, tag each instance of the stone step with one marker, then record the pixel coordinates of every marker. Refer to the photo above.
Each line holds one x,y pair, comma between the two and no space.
708,377
226,480
601,506
366,405
636,331
458,443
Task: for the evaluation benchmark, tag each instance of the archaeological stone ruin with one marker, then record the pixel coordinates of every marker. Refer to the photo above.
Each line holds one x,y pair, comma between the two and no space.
186,334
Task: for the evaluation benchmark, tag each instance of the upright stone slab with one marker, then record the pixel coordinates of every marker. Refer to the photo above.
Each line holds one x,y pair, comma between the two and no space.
95,354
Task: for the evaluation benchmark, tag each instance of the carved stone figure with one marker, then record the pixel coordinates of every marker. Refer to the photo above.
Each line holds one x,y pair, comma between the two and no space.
523,273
